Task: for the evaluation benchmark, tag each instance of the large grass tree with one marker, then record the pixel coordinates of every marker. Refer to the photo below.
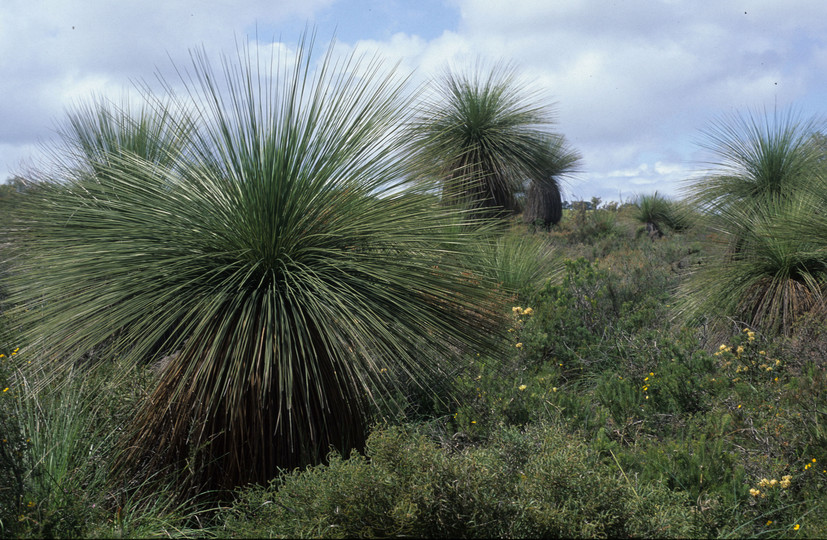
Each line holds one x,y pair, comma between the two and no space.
251,235
486,133
760,200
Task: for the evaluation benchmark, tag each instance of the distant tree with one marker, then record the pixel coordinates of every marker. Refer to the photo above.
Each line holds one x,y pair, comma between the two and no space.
486,134
13,185
660,214
544,205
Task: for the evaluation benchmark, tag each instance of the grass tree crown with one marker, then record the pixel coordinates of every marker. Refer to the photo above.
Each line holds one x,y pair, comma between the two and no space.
757,156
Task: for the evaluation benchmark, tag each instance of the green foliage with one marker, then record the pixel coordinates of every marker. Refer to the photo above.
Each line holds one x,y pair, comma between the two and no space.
180,282
529,484
593,304
58,444
543,202
647,429
255,237
518,263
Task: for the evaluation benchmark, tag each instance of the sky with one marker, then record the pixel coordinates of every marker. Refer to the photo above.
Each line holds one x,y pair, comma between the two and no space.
633,83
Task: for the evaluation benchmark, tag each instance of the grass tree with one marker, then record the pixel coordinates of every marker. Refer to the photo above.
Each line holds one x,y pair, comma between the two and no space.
772,280
544,204
486,133
759,202
660,214
273,259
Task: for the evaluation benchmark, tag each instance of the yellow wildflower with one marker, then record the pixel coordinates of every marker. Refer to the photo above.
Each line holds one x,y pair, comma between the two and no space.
522,387
797,526
754,492
528,311
519,345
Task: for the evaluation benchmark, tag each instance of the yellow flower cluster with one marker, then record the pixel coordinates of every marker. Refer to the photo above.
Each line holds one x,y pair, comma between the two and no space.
783,484
766,484
748,360
14,352
807,466
517,310
647,383
722,349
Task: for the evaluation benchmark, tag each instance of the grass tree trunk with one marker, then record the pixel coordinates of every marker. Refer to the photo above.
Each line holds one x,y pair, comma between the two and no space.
544,205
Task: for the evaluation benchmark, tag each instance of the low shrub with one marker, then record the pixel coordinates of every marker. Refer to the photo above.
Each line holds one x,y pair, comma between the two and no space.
540,482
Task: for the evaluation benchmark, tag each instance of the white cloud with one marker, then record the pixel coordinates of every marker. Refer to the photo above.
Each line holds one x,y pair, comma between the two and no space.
633,81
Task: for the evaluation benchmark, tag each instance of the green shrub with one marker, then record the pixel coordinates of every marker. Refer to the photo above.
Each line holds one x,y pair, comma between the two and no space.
540,482
519,263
